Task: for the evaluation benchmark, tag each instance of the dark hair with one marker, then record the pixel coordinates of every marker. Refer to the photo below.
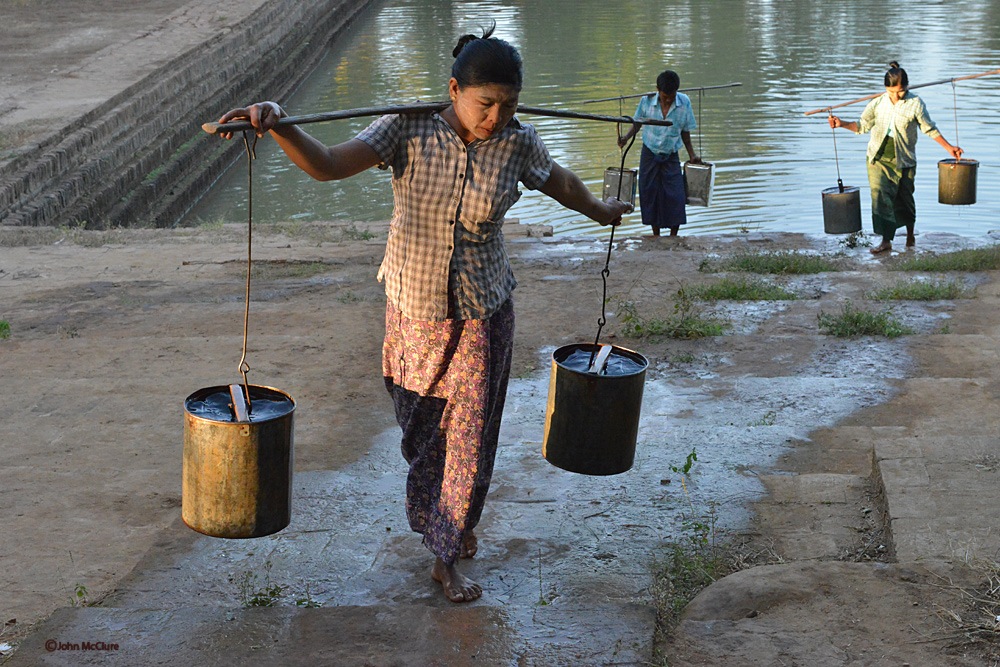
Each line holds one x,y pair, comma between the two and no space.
484,60
668,81
896,76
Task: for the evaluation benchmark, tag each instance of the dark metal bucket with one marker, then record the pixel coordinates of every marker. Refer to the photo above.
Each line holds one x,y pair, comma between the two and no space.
237,478
592,419
699,180
957,181
842,210
627,178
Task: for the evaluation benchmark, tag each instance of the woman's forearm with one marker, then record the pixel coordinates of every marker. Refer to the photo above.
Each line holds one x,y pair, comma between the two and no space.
566,188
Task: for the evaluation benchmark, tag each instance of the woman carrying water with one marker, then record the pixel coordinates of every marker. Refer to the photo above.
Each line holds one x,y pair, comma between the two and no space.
449,313
893,119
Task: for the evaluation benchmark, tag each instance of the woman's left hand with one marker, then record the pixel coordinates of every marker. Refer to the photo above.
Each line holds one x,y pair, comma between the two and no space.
616,209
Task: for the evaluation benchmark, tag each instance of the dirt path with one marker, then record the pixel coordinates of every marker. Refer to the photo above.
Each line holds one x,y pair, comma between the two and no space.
111,330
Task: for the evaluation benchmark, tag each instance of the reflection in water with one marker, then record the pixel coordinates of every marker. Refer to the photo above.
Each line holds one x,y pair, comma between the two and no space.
772,163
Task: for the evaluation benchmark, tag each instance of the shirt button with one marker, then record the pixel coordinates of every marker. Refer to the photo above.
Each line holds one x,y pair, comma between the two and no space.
451,222
461,175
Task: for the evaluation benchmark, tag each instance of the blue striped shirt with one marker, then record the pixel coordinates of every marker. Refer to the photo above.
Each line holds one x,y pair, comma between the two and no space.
658,138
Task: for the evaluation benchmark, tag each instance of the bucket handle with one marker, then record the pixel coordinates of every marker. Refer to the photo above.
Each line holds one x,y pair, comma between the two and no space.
597,366
239,403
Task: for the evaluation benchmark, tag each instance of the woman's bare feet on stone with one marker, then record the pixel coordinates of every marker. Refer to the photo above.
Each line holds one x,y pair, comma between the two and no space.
457,588
910,240
884,246
470,545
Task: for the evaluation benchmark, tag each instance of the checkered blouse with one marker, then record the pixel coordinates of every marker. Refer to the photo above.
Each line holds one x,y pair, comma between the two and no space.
436,181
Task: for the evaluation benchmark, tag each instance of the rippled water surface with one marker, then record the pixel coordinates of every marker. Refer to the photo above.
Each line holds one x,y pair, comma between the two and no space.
772,161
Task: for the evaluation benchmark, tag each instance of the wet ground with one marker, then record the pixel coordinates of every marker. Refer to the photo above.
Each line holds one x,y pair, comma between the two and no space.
566,560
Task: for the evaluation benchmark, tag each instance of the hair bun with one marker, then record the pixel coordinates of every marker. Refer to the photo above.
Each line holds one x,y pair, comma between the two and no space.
465,39
462,41
893,63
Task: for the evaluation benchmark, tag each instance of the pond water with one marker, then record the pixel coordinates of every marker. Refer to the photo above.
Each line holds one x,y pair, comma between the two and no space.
772,162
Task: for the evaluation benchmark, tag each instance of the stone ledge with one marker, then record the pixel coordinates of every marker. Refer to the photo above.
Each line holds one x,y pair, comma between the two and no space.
139,158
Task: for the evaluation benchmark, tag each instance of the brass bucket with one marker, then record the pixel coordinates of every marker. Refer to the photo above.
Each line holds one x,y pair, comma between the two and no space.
699,180
842,210
237,477
626,177
592,418
957,181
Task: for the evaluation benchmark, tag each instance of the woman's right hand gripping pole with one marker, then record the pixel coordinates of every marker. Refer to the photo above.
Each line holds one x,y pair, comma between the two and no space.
263,116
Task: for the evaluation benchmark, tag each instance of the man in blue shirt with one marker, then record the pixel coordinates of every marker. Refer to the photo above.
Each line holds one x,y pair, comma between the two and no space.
662,197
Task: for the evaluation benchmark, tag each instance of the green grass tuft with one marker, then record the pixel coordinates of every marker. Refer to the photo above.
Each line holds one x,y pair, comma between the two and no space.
4,329
687,321
971,259
780,263
856,322
741,289
921,290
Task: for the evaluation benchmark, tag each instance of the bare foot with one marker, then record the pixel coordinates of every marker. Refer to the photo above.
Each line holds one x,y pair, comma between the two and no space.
910,241
884,246
457,588
674,230
470,545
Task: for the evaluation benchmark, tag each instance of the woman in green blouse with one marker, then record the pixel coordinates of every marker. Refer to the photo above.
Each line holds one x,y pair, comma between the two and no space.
893,120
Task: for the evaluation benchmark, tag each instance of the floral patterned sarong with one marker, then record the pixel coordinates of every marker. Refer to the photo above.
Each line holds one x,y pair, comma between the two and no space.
448,381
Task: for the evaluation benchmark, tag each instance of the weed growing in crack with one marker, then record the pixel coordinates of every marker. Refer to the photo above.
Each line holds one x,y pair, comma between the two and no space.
856,239
255,591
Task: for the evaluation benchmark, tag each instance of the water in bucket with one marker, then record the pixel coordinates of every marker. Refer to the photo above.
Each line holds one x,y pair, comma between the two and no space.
217,406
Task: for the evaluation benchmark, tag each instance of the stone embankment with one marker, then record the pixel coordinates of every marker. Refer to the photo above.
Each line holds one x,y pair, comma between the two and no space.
140,158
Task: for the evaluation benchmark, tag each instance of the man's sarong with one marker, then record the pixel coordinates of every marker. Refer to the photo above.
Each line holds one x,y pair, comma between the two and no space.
662,197
448,381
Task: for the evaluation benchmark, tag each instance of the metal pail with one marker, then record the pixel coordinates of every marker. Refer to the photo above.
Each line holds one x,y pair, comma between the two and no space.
628,179
699,179
842,210
237,478
592,419
957,181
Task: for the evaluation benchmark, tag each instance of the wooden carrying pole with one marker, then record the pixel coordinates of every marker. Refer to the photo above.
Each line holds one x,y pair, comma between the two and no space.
683,90
419,107
919,85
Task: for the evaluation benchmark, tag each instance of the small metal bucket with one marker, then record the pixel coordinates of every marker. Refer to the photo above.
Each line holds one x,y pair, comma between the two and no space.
842,210
957,181
699,180
592,418
237,478
628,179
